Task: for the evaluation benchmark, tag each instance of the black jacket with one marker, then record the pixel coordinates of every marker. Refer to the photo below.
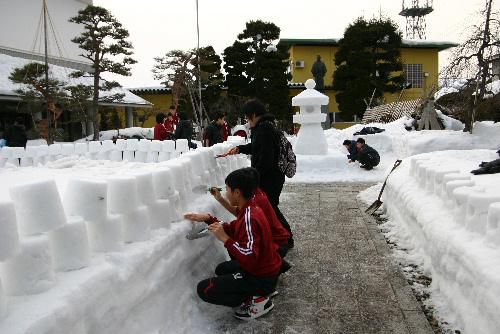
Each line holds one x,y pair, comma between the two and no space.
16,136
264,147
213,133
353,151
184,130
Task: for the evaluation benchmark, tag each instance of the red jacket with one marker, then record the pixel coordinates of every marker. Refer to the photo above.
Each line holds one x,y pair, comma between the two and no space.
160,133
250,242
279,233
169,126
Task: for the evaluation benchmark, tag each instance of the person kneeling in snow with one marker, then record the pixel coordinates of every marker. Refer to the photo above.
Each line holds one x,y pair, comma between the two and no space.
248,240
367,156
350,145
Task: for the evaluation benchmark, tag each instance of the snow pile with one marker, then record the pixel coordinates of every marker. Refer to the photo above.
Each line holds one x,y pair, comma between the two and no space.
101,246
394,143
449,220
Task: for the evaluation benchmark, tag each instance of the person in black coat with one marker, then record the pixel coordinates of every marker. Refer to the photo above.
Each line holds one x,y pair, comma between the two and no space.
264,151
368,157
214,133
16,134
184,129
350,145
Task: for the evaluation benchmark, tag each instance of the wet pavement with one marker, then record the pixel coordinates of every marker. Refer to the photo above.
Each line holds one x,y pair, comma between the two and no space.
343,279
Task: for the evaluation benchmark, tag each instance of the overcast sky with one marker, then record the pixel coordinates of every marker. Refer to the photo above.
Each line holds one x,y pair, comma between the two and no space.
158,26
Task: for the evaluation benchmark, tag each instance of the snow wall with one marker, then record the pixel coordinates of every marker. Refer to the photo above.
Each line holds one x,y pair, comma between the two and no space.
96,246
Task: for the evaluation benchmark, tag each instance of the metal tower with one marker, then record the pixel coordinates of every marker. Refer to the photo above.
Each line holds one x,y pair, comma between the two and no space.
415,17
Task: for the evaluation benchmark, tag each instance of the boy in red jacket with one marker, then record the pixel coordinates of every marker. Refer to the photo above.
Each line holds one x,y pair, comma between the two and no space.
248,240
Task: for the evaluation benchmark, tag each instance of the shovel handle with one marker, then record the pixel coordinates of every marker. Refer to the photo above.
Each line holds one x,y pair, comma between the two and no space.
396,164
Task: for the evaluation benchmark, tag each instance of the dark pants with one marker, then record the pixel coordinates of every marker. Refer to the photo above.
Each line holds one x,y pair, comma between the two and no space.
369,159
272,186
232,289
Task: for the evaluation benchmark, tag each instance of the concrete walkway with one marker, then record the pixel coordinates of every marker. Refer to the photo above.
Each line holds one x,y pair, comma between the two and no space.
343,279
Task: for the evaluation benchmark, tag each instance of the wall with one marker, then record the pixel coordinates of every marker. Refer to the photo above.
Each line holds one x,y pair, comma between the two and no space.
19,23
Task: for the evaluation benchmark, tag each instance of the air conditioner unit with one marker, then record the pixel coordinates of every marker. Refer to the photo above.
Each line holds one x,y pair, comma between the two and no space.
299,64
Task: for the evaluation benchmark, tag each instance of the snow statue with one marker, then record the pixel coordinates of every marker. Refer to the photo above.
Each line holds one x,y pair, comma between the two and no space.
311,139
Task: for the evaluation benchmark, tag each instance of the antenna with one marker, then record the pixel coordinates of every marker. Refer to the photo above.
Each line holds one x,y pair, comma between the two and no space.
415,17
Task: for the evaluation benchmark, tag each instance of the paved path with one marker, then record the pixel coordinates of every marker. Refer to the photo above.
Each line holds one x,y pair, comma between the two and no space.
343,279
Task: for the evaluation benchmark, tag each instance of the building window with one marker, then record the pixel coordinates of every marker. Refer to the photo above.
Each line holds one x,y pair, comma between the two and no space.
414,75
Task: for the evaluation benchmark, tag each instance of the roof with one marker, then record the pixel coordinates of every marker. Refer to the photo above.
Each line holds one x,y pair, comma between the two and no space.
150,90
8,88
407,43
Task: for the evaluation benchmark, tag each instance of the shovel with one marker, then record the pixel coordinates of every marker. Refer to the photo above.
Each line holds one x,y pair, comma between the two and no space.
203,189
375,205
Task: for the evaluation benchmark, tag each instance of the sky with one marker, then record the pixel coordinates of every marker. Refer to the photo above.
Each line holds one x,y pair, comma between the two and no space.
158,26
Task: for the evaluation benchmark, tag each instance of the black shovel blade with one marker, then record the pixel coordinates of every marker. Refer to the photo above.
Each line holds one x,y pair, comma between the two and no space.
372,208
196,233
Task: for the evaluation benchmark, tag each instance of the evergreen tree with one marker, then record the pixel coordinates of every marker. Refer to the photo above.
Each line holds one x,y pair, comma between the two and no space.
105,45
368,62
256,68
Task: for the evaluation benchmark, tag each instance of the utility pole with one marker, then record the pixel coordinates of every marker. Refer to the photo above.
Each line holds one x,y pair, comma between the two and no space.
199,73
45,31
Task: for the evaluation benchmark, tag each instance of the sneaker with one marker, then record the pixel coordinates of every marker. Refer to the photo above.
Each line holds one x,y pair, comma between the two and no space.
254,308
273,294
285,266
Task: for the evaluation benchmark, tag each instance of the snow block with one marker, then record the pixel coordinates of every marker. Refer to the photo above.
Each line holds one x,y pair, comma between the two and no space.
141,156
163,156
132,144
106,235
144,145
18,152
26,162
181,145
9,237
38,207
168,146
13,162
452,185
145,187
478,204
155,146
115,155
152,157
30,271
86,198
70,245
103,155
163,183
107,145
42,151
460,196
121,145
81,148
30,152
95,146
55,149
6,152
122,195
128,156
67,149
136,225
160,213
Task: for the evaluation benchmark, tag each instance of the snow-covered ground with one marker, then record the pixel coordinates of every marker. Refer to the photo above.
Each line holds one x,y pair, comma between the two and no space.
147,284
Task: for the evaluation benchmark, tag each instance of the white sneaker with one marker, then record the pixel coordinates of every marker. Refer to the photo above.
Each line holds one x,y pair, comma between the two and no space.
254,308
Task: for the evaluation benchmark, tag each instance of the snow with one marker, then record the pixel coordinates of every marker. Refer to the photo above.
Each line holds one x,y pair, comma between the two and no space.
136,272
7,87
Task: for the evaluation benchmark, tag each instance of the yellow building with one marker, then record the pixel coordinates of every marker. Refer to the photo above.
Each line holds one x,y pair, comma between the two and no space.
420,64
159,96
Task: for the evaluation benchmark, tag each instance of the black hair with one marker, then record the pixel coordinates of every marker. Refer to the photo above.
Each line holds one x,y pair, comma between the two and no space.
254,172
183,116
218,115
244,180
160,117
346,142
172,107
254,107
360,140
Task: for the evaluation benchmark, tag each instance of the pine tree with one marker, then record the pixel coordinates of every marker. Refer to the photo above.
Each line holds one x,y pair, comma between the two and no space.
368,60
104,40
256,68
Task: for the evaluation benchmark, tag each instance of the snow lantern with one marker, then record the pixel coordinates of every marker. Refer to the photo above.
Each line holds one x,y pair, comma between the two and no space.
9,238
311,138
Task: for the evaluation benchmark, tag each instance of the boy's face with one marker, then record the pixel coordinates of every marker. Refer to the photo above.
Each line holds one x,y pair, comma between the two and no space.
359,145
252,120
232,195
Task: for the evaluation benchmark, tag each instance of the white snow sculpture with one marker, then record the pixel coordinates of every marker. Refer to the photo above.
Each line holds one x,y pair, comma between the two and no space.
70,245
460,196
452,185
128,156
161,213
9,238
106,235
140,156
86,198
179,183
116,155
67,149
30,271
477,210
121,144
311,138
81,148
132,144
107,145
163,183
38,207
155,146
55,149
144,145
